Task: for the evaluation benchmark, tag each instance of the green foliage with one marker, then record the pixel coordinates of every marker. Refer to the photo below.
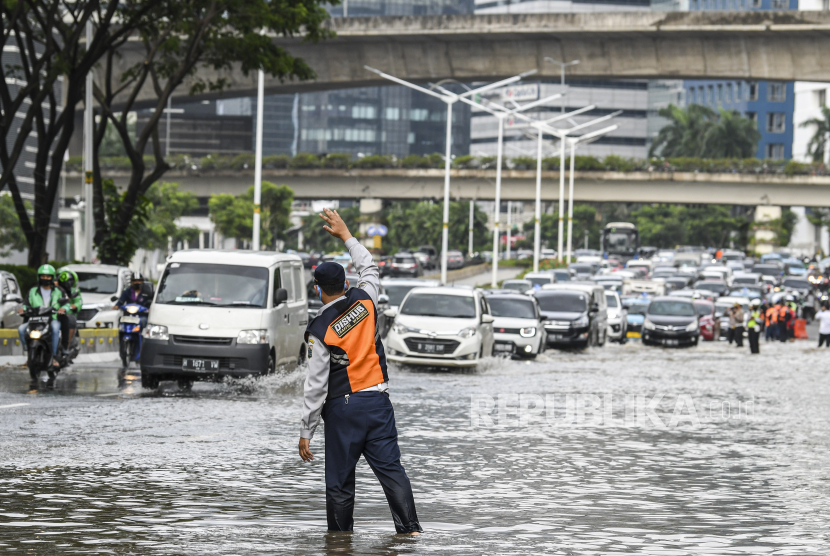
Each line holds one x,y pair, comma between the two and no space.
244,161
465,162
668,226
698,131
337,160
276,161
374,161
524,163
234,216
166,205
782,227
434,160
584,223
11,236
818,142
792,168
120,247
305,161
414,223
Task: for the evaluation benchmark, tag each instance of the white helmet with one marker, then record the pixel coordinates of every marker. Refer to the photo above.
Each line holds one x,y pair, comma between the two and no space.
755,302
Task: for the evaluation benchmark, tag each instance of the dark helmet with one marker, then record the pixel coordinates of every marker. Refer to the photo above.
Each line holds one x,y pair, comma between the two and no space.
136,277
66,278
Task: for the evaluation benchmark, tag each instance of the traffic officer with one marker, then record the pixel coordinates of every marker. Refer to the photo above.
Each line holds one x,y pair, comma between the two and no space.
754,325
347,383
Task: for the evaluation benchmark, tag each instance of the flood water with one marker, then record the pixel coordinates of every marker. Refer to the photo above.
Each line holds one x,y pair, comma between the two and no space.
592,465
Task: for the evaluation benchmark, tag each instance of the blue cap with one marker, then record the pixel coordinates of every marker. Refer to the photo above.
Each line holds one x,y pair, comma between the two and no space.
329,274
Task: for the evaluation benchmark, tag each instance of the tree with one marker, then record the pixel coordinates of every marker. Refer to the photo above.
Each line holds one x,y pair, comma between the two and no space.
166,205
180,38
234,216
48,41
817,147
316,238
671,225
700,132
11,236
415,223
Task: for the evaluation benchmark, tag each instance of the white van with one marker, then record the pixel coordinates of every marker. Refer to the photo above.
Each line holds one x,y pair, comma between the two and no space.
224,313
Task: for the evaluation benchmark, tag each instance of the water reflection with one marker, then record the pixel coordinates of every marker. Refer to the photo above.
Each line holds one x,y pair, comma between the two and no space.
99,466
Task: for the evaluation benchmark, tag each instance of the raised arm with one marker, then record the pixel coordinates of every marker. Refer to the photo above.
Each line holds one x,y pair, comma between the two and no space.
362,259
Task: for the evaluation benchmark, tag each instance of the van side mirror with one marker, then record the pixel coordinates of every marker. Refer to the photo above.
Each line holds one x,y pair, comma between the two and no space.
486,319
280,296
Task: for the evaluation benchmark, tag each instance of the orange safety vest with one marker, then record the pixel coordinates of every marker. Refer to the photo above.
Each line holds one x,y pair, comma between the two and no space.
772,316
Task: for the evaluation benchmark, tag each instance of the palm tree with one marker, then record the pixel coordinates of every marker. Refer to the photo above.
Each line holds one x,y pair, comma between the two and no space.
683,135
732,136
818,144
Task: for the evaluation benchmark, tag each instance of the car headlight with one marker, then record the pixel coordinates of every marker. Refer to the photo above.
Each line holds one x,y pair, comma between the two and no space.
692,327
35,334
156,332
398,328
132,309
259,336
467,332
528,332
648,325
581,321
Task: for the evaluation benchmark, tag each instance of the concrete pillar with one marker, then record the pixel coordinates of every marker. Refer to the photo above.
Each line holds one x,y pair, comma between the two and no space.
765,238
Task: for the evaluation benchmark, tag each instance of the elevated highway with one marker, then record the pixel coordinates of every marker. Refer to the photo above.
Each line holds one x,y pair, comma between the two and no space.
789,45
517,185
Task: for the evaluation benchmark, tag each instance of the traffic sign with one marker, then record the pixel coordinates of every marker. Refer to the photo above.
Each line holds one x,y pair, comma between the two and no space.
377,230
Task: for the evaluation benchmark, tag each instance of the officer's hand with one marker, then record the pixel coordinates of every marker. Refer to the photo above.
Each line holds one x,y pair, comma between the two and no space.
73,307
61,311
20,311
305,453
336,226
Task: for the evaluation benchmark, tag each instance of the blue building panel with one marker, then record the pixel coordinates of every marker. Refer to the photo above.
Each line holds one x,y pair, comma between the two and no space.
770,103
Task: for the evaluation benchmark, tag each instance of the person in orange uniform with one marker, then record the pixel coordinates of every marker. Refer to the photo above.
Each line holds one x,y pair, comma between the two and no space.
348,385
771,324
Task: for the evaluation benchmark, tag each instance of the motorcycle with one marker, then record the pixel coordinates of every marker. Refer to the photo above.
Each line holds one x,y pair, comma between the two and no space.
39,343
129,332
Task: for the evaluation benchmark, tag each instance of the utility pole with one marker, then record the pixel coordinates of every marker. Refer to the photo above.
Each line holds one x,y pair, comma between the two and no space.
260,102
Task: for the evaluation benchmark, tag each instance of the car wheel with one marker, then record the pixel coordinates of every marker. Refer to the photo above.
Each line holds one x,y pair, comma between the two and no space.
271,367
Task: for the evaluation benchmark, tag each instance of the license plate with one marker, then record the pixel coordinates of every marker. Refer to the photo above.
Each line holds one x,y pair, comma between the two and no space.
200,365
130,320
503,347
431,348
39,319
633,335
670,342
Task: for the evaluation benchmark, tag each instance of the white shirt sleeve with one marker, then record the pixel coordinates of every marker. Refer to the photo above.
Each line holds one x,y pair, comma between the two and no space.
366,268
316,386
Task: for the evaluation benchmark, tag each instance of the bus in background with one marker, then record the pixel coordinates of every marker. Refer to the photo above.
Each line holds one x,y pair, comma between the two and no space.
620,240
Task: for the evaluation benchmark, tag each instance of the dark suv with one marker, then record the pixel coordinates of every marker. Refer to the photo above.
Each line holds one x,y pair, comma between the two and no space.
575,317
671,321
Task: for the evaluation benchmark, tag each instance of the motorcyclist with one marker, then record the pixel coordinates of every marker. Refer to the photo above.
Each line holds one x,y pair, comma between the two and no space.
135,294
45,294
68,282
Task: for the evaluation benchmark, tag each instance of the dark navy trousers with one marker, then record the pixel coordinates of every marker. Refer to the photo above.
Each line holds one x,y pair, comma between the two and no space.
364,426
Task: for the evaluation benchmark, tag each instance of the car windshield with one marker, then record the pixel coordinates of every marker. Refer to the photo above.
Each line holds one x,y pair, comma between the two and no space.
797,284
745,280
405,259
517,286
581,267
636,307
703,308
538,281
562,275
213,285
96,282
564,302
769,269
397,293
513,308
745,292
612,300
717,287
438,305
672,309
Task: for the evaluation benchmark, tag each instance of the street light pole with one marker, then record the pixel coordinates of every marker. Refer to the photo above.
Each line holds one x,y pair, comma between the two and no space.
497,209
449,98
470,243
89,224
260,102
562,66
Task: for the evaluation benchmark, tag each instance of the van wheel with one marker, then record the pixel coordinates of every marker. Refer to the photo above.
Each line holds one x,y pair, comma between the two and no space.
272,364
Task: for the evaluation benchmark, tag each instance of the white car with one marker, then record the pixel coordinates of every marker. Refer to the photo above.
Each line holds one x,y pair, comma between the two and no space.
397,288
617,318
540,278
441,327
101,286
517,328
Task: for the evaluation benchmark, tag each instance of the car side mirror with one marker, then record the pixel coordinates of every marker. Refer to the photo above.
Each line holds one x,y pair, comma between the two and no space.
280,296
390,313
595,308
114,298
541,318
383,298
487,319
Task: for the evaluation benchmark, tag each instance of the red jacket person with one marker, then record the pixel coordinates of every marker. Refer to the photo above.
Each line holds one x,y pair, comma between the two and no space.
347,384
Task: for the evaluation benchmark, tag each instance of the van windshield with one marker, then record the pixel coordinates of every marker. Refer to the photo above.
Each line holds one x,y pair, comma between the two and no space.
214,285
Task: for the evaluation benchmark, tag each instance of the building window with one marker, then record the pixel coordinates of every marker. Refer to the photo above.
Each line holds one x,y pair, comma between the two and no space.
753,90
393,113
776,122
410,138
776,92
363,112
751,116
309,108
692,95
775,151
701,99
780,4
728,99
710,93
821,98
418,114
738,91
720,93
756,3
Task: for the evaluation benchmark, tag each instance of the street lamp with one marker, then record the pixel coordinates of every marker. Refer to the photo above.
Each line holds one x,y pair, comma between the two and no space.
562,66
260,108
449,98
581,140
